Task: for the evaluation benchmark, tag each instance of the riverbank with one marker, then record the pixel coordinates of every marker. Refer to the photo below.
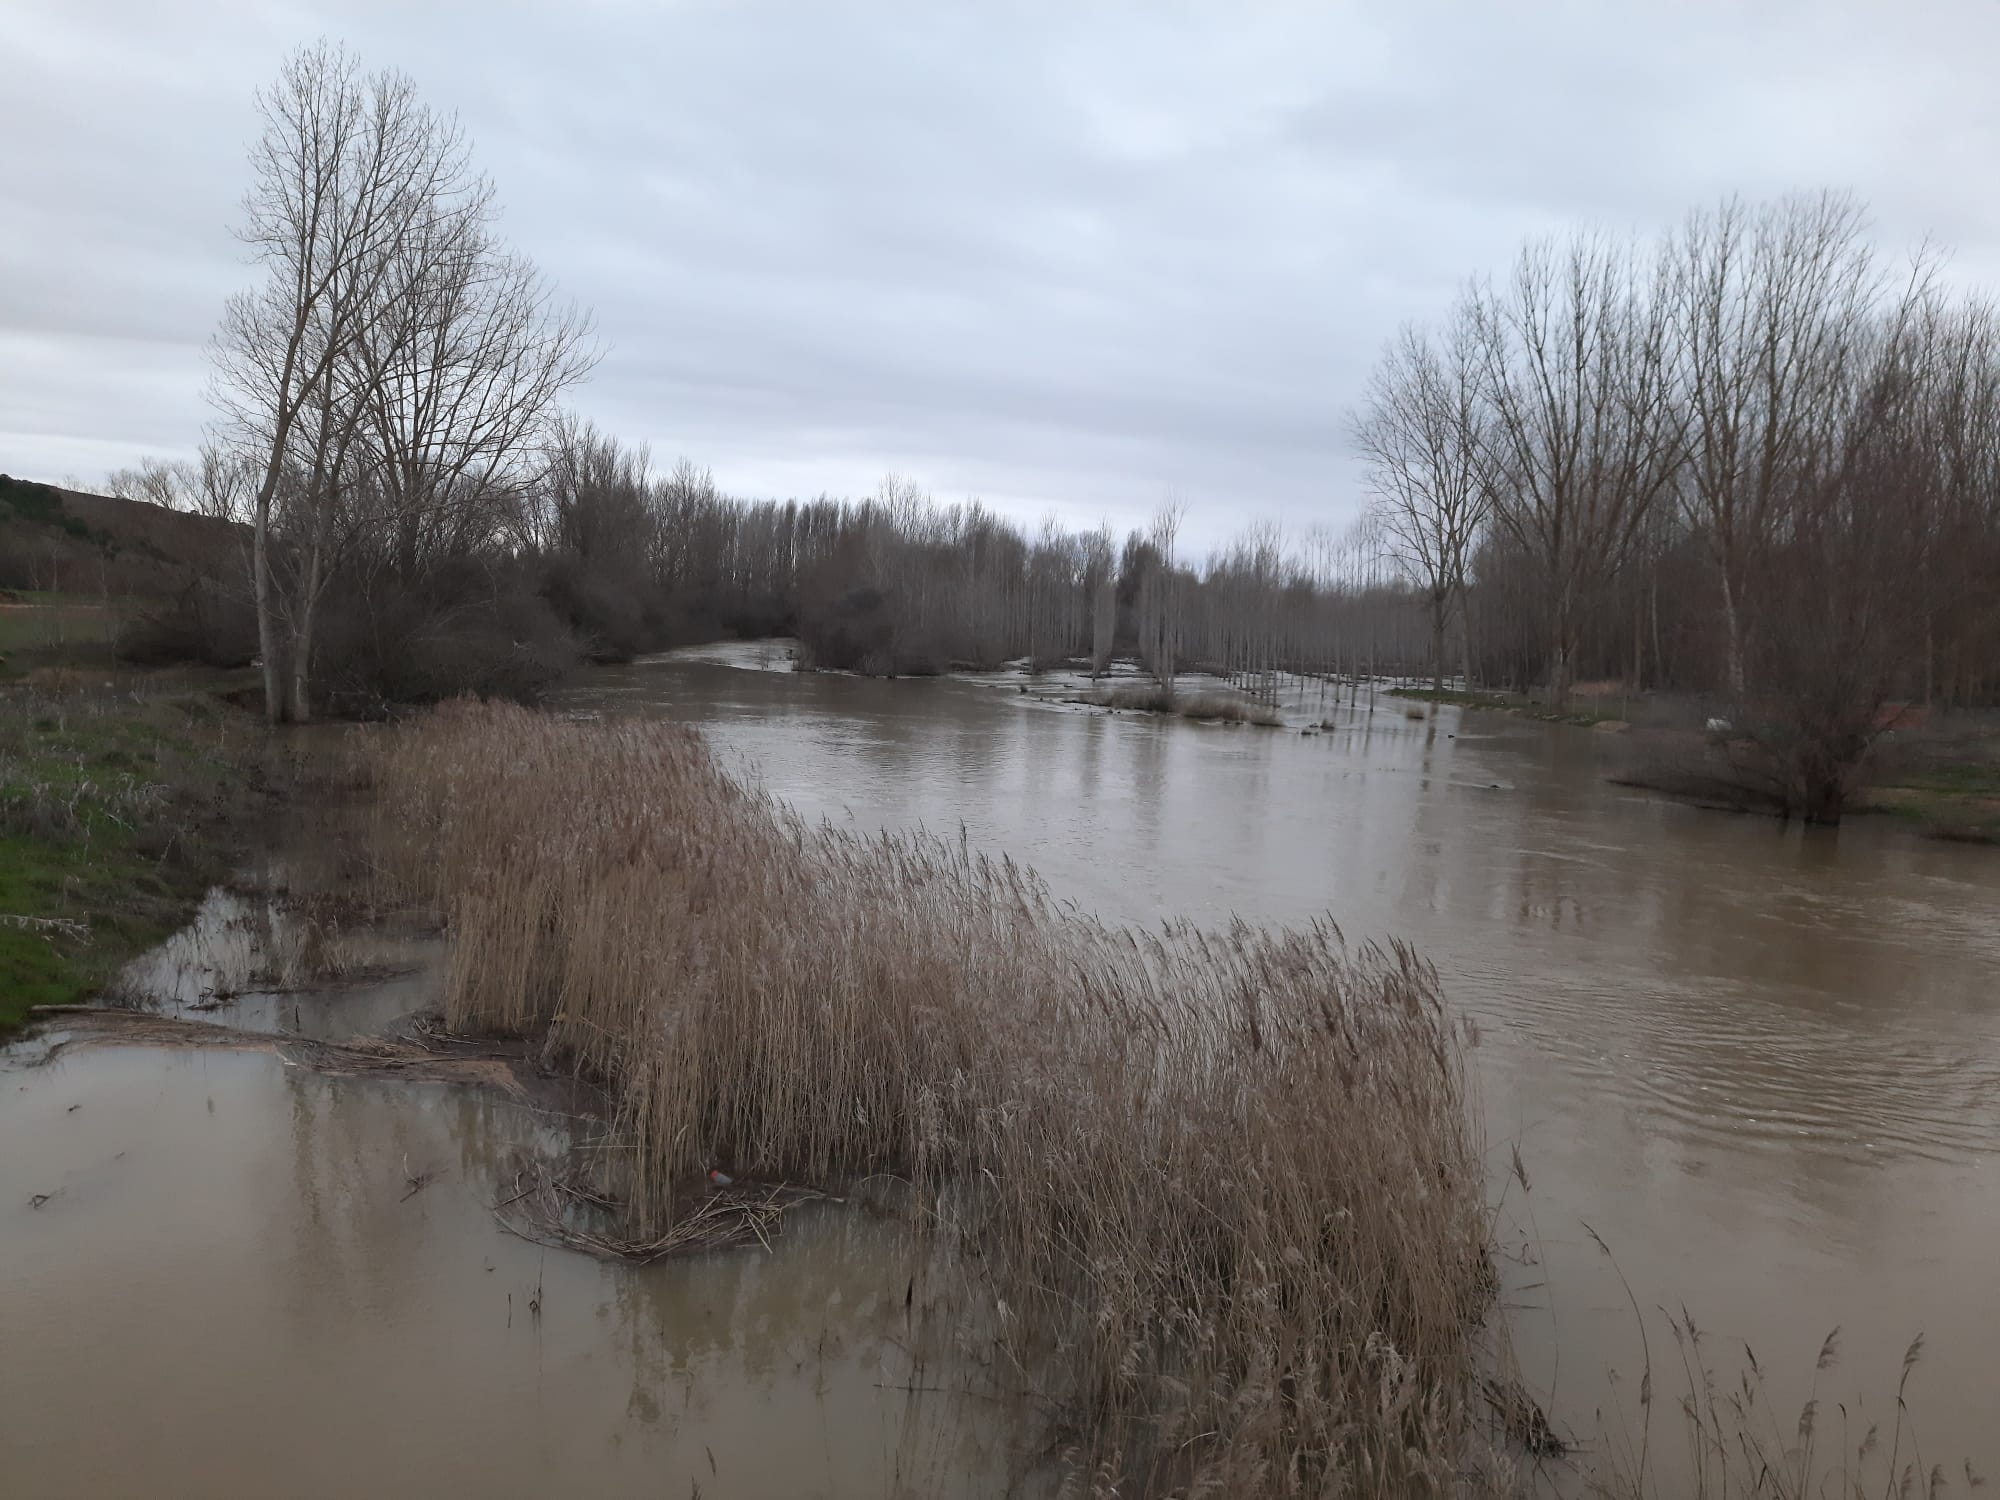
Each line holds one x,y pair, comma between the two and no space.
1957,801
122,800
1942,786
1945,784
1596,713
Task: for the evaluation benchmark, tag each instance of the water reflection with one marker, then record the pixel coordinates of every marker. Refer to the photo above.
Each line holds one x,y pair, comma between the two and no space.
246,958
232,1290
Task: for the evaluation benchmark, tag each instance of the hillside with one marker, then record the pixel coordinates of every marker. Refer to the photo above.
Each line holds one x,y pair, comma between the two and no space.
62,540
95,579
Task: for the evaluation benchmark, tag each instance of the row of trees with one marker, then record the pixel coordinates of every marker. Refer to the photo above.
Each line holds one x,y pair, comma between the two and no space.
419,514
384,389
900,584
1749,460
1792,441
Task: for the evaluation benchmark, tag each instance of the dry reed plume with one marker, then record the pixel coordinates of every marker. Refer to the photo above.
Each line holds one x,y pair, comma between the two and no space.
1222,704
1222,1185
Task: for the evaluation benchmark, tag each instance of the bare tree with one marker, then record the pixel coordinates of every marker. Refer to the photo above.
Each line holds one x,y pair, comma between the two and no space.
458,379
1770,304
1841,611
1961,425
1421,435
1100,581
396,361
171,483
1587,428
342,167
1158,602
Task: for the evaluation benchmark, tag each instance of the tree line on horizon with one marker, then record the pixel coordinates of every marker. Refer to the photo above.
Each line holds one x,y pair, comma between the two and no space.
1751,460
1752,447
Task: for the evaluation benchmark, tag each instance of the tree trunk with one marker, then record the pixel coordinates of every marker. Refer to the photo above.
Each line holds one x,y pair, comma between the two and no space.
267,625
1440,601
1638,643
1465,636
1732,626
1930,659
1562,663
1659,656
301,655
1824,794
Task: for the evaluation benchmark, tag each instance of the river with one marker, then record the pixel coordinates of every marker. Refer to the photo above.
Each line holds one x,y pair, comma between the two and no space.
1761,1064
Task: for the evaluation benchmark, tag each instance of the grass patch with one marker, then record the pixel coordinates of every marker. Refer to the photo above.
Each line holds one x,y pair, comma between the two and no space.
1140,697
1506,703
1954,816
1948,788
117,811
51,630
1970,779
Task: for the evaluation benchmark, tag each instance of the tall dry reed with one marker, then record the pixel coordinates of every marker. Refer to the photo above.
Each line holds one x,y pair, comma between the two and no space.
1222,1185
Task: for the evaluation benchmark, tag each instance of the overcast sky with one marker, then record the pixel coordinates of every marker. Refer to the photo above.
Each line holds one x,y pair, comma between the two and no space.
1069,257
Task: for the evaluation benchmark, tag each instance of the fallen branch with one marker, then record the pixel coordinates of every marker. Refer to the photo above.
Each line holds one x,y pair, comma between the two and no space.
724,1217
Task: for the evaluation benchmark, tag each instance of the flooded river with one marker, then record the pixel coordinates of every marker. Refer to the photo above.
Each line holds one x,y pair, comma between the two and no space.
1762,1065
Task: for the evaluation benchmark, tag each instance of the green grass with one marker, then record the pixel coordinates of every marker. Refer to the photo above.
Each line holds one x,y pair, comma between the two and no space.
1952,816
53,630
1954,800
117,811
1505,703
1971,779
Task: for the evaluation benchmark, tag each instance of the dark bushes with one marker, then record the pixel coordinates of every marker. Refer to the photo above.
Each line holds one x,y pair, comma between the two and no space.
207,621
463,630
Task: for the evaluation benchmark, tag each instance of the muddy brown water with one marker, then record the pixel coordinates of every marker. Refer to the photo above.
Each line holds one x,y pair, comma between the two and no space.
1764,1066
232,1290
1763,1063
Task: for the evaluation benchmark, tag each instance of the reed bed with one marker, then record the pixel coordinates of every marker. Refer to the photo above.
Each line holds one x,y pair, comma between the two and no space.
1221,1186
1210,704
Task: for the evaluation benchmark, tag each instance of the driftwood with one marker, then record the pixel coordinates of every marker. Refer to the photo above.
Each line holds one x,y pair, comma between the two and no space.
554,1208
422,1058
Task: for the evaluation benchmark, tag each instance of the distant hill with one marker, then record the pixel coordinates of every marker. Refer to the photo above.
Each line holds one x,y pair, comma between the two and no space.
55,540
91,580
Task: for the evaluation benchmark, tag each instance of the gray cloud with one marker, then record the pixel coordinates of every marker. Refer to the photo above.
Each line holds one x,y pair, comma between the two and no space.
1066,258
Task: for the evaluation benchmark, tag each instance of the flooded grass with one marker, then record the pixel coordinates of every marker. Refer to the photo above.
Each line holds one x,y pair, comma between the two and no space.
117,809
1951,790
1947,788
1219,1190
1516,704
